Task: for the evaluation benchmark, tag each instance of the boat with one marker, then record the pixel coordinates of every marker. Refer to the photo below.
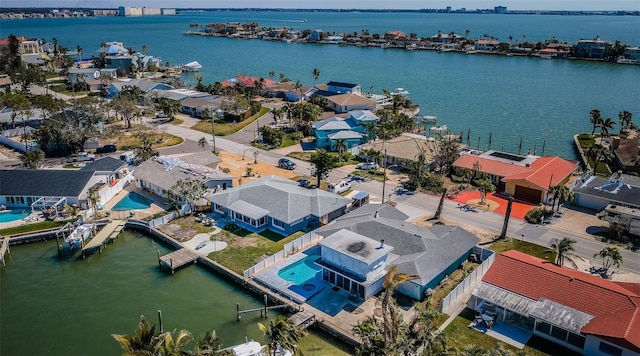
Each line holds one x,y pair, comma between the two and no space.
192,66
401,91
426,119
253,348
79,235
623,60
440,129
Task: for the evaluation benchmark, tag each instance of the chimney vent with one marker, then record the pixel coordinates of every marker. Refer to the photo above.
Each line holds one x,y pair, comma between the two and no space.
375,216
381,244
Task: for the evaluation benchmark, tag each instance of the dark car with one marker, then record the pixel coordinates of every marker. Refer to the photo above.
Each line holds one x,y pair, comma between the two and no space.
106,149
286,163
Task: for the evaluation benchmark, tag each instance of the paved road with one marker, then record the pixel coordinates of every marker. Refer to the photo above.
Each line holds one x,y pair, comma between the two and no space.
419,204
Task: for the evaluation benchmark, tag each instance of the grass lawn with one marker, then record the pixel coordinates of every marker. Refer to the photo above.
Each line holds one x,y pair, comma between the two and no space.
586,141
306,156
127,142
43,225
459,335
224,128
245,248
176,121
321,346
523,246
371,174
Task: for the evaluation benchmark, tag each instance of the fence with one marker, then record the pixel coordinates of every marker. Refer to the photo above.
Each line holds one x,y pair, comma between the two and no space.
109,191
289,249
185,209
470,282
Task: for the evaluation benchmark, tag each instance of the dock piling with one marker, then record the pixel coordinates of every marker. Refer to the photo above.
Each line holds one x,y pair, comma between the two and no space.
159,261
160,320
266,313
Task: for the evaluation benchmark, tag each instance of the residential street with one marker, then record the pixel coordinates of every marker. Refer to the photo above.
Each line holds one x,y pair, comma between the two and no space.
417,205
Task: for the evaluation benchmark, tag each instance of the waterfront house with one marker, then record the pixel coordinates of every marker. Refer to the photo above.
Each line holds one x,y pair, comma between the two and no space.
487,45
359,247
626,153
44,188
403,150
526,178
632,53
351,129
445,37
343,88
592,48
146,86
314,36
596,192
248,81
277,204
202,108
584,313
341,103
159,174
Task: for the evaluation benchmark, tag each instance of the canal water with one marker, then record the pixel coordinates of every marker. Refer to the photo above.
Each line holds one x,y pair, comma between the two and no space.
72,306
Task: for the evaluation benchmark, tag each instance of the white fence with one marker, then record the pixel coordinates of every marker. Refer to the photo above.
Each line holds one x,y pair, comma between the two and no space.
185,209
470,282
109,191
289,249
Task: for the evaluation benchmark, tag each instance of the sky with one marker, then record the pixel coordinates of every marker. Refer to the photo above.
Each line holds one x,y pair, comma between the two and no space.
629,5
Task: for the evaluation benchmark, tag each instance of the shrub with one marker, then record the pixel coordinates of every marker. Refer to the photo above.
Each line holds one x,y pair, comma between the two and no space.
534,216
457,179
433,183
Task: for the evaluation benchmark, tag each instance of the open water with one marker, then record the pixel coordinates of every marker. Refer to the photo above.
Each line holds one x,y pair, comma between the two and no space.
543,101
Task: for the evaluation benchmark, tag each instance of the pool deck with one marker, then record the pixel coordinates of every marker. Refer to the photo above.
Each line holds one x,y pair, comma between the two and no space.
156,206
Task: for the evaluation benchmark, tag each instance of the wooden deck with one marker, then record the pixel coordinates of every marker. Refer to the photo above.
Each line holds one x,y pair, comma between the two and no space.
177,259
4,249
302,319
109,232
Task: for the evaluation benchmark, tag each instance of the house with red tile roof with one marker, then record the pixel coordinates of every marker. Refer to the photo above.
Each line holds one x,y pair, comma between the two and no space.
526,178
247,81
582,312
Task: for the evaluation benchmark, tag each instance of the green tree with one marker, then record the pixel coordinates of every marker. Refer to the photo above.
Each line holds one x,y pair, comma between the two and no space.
625,119
145,150
341,147
596,120
94,198
280,334
191,190
143,342
323,163
606,125
316,75
32,159
564,251
169,107
170,346
610,257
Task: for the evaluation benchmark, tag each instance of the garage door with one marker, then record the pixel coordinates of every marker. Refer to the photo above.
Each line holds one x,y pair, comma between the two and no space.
528,194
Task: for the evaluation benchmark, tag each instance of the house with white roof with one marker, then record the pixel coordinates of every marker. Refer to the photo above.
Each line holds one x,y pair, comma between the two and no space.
277,204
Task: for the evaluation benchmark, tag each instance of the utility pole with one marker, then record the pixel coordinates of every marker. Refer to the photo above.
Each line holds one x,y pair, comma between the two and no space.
384,175
213,129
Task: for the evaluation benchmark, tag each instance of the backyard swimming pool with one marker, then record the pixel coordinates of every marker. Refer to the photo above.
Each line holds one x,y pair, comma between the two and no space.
13,214
300,271
133,201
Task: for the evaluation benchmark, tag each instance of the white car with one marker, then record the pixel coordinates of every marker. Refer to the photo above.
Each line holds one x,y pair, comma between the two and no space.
82,157
339,187
367,166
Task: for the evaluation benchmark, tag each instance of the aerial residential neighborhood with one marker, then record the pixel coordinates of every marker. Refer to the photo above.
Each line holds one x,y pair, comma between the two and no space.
344,211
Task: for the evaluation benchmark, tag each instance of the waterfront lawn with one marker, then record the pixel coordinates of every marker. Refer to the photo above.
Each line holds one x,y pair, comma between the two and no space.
246,248
586,141
321,346
224,128
459,335
523,246
23,229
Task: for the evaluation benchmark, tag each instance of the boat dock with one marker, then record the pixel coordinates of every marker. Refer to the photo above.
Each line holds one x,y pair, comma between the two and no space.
109,232
177,259
4,249
302,319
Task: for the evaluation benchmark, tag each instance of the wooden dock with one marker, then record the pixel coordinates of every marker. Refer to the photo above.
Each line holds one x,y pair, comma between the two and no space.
302,319
4,249
177,259
109,232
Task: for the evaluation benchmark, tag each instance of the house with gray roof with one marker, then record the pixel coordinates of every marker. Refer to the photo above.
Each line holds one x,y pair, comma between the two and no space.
115,88
277,204
159,174
359,248
32,188
596,192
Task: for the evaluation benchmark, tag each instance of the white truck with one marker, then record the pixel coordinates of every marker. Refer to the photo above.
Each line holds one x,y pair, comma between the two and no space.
81,157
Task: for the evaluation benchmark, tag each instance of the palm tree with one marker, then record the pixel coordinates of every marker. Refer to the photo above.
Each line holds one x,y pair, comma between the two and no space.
625,118
341,147
596,120
316,75
277,114
281,334
170,107
390,317
563,250
94,198
143,342
202,142
208,343
599,153
170,346
606,125
272,74
610,257
565,195
554,192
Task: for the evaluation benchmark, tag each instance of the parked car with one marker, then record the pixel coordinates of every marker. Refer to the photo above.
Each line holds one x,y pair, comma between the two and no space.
304,182
286,164
161,115
365,166
339,187
128,156
106,149
81,157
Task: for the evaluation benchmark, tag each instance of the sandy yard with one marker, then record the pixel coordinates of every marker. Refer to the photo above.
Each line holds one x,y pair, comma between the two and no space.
238,168
484,235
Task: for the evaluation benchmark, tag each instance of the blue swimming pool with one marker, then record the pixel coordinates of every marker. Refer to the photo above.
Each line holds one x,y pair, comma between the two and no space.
133,201
13,214
300,271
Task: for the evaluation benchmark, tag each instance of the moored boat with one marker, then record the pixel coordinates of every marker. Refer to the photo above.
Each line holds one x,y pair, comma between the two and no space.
80,234
253,348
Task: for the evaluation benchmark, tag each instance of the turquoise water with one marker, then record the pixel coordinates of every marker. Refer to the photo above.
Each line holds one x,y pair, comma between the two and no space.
133,201
300,271
13,214
544,102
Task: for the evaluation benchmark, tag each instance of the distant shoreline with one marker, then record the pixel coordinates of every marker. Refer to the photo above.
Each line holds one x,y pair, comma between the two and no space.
47,10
